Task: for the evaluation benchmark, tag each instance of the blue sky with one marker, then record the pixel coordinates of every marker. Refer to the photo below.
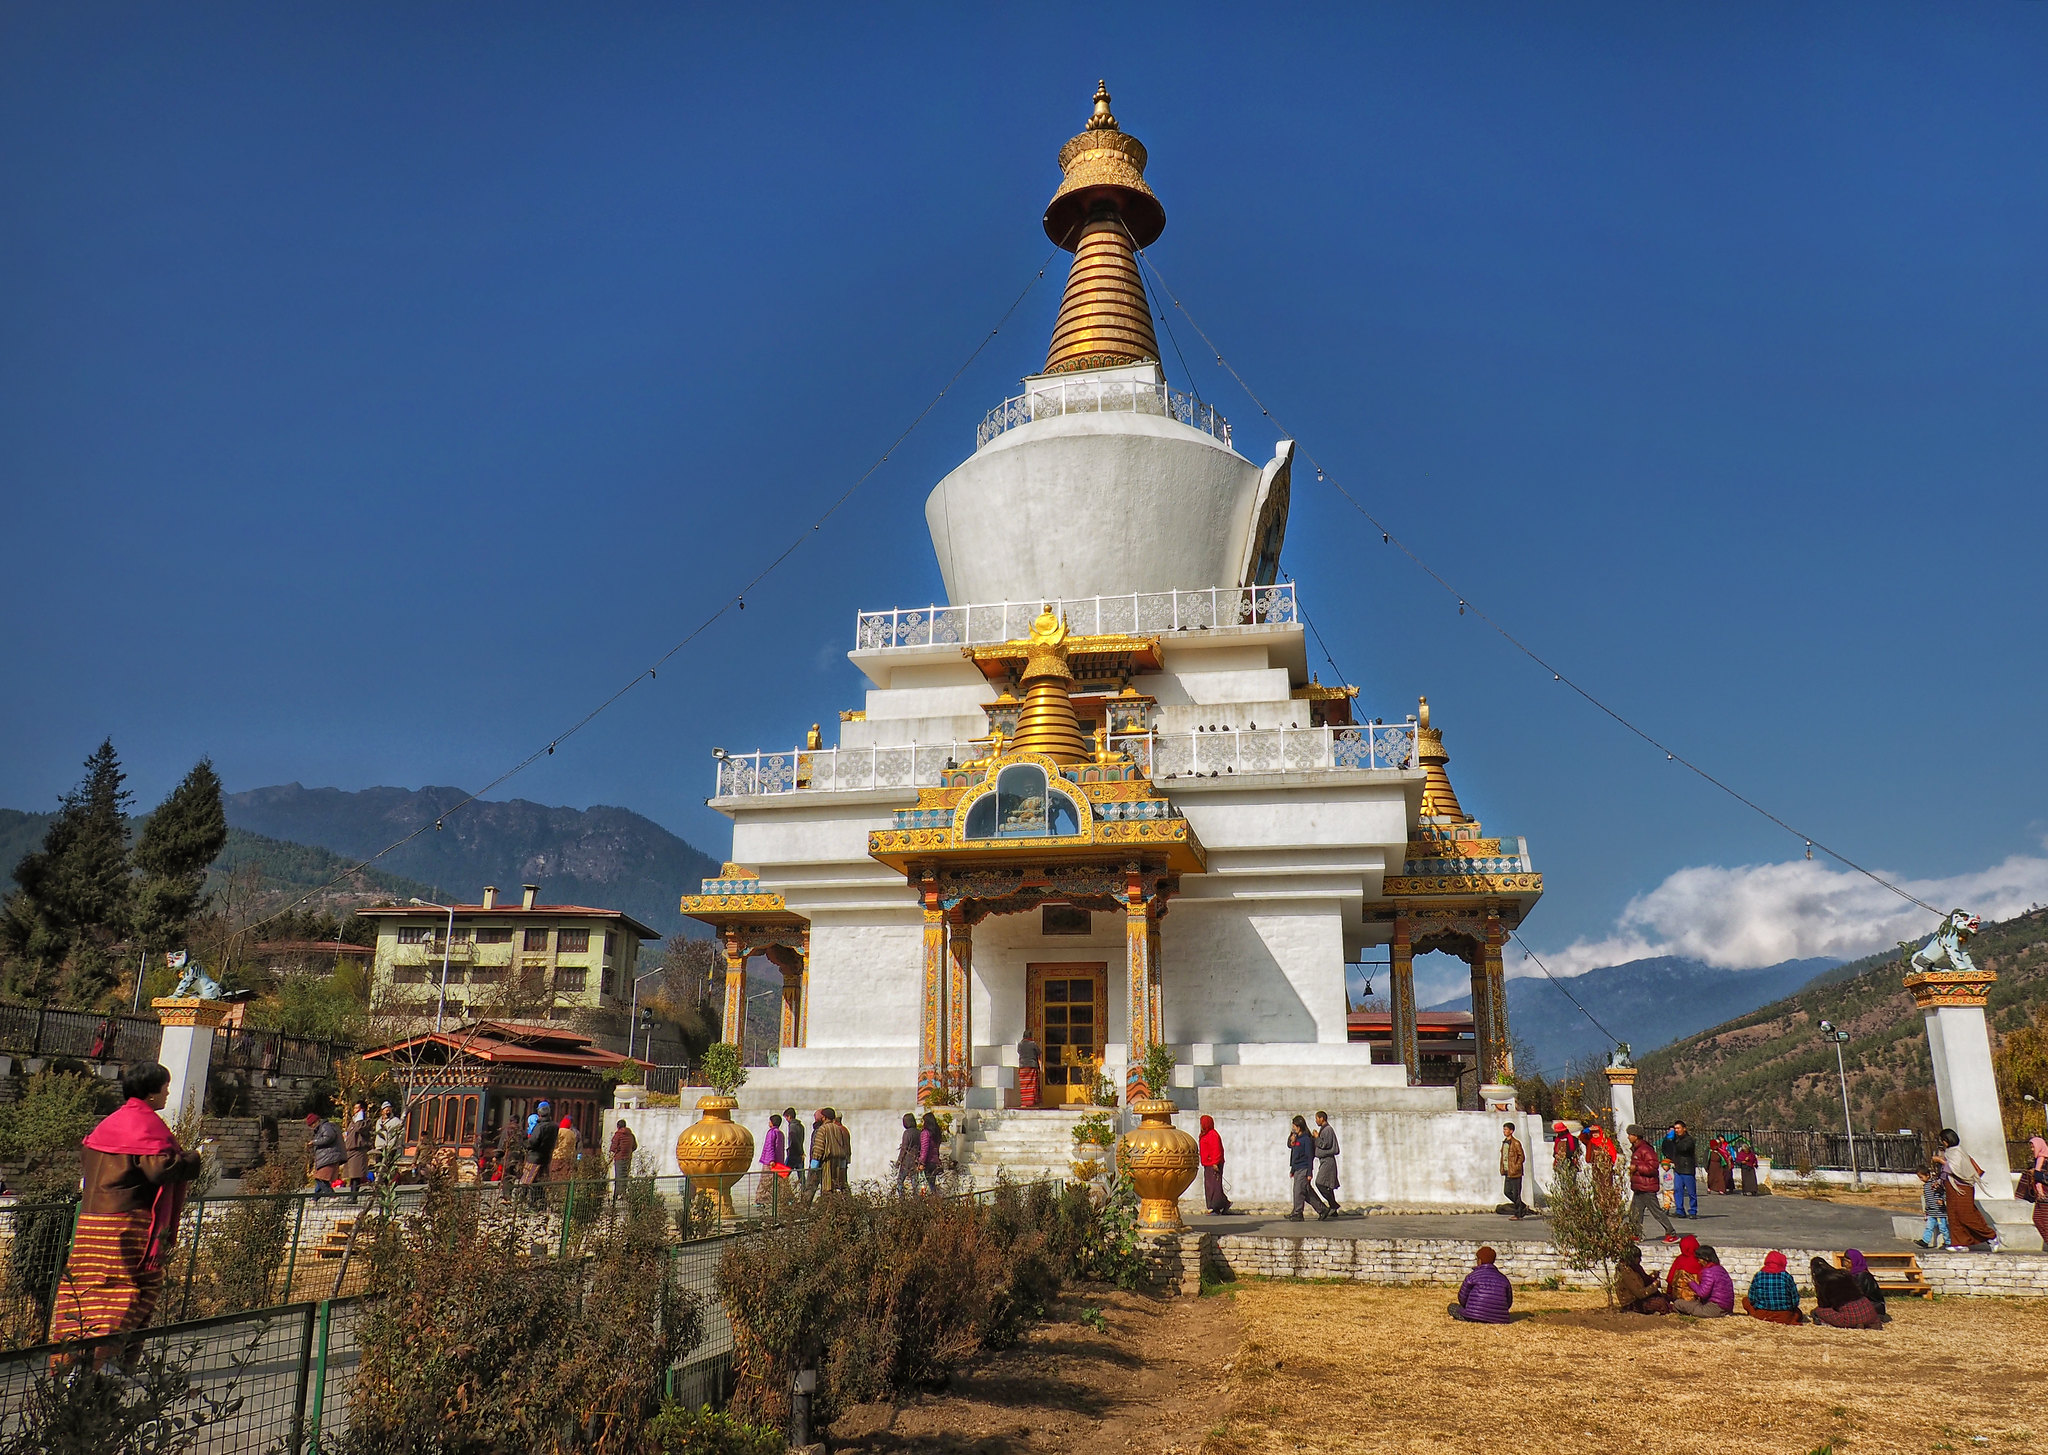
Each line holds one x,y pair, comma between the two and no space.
380,389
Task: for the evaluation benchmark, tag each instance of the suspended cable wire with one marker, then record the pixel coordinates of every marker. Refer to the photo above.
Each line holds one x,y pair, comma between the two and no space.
1560,985
738,600
1388,537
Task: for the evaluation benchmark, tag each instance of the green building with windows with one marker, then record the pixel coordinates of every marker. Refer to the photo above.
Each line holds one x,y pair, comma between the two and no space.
523,962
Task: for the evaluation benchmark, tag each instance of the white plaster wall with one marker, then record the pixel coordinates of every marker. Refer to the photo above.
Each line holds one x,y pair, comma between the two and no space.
1228,975
866,983
1442,1160
897,732
1353,808
1236,685
1092,504
875,1132
1005,945
929,702
823,830
1240,715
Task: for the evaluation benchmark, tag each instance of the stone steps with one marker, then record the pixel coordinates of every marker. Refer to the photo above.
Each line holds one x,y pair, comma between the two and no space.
1024,1146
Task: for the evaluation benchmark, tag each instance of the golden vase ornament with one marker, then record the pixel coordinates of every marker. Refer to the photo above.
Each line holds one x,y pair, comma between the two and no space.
716,1150
1163,1160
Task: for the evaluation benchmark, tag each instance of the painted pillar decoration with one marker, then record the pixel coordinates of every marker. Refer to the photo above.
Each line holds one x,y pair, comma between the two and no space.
959,983
1152,969
1401,992
1503,1065
1138,947
733,1027
187,1050
1621,1092
1950,990
932,1019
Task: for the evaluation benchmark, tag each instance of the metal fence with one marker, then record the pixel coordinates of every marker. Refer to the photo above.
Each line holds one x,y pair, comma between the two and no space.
1797,1147
252,1251
272,1053
1111,396
29,1030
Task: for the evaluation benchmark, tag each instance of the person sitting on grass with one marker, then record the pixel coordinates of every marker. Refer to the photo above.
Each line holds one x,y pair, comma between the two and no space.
1859,1269
1837,1301
1773,1296
1635,1287
1713,1294
1486,1295
1682,1278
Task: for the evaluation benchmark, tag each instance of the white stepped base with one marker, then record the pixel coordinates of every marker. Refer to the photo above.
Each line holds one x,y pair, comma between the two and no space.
1024,1146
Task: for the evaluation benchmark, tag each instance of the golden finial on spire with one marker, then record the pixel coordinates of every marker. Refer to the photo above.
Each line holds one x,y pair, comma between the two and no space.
1439,799
1102,213
1101,120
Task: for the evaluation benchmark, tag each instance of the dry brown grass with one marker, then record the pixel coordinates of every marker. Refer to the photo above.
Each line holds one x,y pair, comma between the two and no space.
1344,1368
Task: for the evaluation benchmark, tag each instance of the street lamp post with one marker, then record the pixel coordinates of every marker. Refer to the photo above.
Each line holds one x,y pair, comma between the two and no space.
1840,1038
633,1015
441,1005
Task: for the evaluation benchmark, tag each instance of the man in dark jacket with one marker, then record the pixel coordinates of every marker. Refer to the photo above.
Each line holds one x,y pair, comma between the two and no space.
1684,1155
540,1150
1643,1180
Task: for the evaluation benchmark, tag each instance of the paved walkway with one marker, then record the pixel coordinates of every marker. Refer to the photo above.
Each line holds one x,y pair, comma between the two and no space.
1726,1222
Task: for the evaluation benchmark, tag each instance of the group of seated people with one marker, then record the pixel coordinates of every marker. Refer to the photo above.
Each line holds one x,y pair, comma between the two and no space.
1697,1286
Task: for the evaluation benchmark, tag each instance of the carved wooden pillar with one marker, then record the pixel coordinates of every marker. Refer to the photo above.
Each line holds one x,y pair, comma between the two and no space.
1138,948
733,1028
1497,999
803,1018
959,1004
790,963
1482,1014
1153,968
1401,975
933,1018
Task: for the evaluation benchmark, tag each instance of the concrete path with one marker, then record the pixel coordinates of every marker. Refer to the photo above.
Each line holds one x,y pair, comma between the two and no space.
1724,1222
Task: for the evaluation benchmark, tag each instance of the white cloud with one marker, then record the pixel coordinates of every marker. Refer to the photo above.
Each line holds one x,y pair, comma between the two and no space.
1759,914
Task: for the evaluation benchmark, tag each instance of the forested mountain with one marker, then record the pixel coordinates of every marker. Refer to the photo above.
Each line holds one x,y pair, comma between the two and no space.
604,856
1770,1067
1647,1003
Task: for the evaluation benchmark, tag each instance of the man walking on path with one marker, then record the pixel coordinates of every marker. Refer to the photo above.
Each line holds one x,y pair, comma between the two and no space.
540,1153
1326,1161
1643,1184
1513,1159
1685,1186
1301,1162
833,1145
623,1145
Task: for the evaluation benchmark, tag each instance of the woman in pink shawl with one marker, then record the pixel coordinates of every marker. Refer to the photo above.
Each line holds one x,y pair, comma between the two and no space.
2039,1167
134,1176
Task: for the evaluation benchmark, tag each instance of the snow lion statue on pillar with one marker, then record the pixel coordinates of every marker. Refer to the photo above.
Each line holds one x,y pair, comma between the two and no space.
1945,950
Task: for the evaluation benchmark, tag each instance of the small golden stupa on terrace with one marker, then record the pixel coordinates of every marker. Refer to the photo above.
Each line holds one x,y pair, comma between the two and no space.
1047,723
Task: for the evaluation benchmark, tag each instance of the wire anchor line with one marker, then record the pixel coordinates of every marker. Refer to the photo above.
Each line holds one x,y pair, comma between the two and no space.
1387,537
736,601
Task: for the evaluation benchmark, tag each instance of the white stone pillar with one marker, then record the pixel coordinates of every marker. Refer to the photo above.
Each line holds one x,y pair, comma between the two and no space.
1959,1043
187,1051
1621,1094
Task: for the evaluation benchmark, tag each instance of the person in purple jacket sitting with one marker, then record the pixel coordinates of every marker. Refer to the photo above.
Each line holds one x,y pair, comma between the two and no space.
1713,1293
1486,1295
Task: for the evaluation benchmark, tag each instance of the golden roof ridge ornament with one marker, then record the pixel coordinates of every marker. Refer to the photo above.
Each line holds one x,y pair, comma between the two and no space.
1046,723
1101,213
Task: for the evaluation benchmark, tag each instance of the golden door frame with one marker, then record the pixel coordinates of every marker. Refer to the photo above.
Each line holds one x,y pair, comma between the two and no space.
1036,973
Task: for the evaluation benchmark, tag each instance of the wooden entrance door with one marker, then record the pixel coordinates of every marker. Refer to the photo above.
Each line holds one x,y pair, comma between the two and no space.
1067,1009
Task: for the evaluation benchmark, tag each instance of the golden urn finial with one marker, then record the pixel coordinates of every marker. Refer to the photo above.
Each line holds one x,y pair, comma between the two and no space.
1102,213
1439,799
1046,723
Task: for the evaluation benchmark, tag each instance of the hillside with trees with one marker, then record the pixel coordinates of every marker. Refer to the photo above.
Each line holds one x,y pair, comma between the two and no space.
1772,1068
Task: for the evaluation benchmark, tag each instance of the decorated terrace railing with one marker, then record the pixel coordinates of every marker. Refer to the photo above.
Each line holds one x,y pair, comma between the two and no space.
1139,613
1165,756
1104,396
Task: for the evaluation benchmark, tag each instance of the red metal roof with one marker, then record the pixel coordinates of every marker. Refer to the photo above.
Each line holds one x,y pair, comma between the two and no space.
505,1043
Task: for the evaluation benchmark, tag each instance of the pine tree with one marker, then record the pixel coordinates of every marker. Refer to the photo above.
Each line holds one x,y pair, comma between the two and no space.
184,836
75,893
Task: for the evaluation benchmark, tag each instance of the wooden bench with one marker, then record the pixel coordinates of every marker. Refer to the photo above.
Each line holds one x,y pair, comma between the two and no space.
1896,1273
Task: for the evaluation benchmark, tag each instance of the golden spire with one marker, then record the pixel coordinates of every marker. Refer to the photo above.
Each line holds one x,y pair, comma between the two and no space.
1103,208
1047,723
1439,799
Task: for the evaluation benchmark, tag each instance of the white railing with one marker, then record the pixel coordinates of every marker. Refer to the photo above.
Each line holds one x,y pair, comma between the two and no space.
1102,396
1164,755
1231,751
1140,613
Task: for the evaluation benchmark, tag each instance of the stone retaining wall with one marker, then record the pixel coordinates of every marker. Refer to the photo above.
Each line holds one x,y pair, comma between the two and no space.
1440,1260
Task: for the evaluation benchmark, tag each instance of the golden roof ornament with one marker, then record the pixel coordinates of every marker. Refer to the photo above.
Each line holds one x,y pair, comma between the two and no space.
1101,213
1046,723
1439,799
